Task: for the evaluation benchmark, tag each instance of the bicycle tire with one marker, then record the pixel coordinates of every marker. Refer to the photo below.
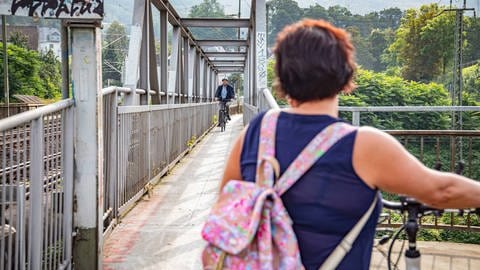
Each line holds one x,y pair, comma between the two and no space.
390,248
221,120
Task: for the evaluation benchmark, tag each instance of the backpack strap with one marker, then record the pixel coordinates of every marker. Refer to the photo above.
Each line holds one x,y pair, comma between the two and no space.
311,153
337,255
267,165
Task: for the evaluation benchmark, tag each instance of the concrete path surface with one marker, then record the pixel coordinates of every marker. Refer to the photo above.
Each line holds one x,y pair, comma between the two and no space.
435,256
163,232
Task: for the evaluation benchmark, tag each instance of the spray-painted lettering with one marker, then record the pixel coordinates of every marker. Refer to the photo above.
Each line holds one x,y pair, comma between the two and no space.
58,8
262,59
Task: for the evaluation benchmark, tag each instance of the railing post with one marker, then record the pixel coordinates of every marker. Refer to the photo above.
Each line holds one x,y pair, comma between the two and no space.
35,250
112,166
356,118
68,172
87,77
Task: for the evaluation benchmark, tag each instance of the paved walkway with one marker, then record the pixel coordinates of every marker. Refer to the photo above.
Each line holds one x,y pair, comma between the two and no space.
435,256
164,231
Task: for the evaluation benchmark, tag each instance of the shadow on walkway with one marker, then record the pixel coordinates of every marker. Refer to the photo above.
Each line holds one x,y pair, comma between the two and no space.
163,232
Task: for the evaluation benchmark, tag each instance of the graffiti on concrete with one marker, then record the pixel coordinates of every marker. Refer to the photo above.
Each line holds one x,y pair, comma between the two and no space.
261,59
58,8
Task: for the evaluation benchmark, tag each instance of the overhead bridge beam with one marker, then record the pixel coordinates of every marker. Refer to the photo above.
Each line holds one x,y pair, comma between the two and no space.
216,22
220,70
228,63
226,54
236,42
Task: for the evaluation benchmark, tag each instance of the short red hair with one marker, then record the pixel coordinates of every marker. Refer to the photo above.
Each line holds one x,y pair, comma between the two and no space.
314,60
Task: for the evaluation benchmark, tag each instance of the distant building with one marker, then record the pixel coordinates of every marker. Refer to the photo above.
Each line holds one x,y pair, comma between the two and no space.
40,39
50,39
31,32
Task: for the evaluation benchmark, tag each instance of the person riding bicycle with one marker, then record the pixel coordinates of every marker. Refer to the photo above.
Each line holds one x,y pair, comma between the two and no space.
225,93
314,64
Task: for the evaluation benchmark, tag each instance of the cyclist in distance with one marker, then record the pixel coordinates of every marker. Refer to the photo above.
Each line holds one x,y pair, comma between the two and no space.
314,64
225,93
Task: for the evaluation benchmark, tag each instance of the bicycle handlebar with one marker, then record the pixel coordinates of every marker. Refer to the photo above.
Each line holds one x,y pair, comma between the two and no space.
408,204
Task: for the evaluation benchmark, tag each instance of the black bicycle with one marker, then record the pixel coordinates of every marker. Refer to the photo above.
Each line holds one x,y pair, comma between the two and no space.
414,211
222,115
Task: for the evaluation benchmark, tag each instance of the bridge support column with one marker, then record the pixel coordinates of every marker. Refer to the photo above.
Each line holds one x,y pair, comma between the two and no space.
246,79
173,75
191,71
260,47
88,185
164,55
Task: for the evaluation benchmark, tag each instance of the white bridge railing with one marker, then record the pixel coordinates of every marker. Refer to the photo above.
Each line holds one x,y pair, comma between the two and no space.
36,188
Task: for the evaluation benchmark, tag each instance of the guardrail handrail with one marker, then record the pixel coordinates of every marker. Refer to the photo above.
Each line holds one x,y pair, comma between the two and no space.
270,99
126,90
409,108
13,121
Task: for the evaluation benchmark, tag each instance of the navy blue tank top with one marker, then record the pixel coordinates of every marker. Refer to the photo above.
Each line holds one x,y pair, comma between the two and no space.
328,200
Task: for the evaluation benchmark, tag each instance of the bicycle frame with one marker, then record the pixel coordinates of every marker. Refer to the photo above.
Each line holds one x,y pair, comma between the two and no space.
414,210
222,115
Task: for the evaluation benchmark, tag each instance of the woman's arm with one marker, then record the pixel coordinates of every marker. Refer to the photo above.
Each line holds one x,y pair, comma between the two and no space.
232,167
381,161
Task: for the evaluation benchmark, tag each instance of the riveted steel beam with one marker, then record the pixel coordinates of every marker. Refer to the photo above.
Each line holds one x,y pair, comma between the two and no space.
233,43
216,22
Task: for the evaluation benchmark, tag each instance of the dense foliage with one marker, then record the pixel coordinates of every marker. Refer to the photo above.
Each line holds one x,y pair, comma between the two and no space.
115,46
416,44
31,73
211,9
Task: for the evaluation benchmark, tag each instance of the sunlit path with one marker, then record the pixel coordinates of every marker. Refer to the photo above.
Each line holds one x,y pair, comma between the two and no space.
163,232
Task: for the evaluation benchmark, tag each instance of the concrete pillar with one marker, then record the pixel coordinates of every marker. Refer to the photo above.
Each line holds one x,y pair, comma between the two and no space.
88,173
260,46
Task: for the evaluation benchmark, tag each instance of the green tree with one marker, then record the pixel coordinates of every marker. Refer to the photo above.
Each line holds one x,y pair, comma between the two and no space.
316,12
423,43
50,74
378,89
19,39
207,9
236,80
341,16
23,72
115,47
211,9
378,42
390,18
471,80
281,13
362,52
472,48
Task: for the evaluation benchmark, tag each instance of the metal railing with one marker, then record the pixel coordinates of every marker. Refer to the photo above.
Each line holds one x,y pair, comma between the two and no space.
265,101
36,188
357,112
143,143
435,148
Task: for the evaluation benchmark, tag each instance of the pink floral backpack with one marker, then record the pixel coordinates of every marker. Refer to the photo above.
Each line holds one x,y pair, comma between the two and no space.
249,228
